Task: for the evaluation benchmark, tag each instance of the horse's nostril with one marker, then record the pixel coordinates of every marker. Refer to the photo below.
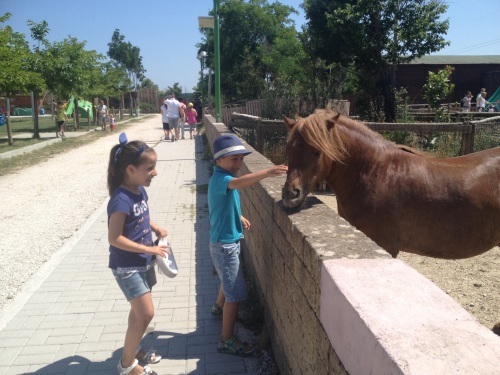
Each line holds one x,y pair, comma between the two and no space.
290,193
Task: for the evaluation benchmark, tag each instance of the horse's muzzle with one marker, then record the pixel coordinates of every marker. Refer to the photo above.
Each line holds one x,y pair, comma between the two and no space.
292,197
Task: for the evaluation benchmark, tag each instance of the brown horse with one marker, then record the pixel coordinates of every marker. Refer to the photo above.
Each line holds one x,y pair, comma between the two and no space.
403,199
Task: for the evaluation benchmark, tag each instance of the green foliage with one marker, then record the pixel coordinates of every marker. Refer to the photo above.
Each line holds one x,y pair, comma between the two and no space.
260,50
127,55
403,115
68,68
375,36
39,31
436,89
15,61
176,90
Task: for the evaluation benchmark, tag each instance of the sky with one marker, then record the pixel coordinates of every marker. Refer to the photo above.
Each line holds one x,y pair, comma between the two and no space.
166,31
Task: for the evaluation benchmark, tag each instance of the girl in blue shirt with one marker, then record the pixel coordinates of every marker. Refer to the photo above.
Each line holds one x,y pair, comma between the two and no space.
132,165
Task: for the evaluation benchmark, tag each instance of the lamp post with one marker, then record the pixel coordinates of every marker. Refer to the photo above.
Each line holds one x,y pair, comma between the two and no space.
217,60
202,56
214,22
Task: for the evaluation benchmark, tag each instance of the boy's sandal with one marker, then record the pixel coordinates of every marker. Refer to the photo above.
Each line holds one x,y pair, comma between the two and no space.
127,370
151,357
231,347
216,310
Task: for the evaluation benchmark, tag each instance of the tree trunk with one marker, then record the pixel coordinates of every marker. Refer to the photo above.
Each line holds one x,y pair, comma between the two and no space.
7,123
36,133
385,96
76,117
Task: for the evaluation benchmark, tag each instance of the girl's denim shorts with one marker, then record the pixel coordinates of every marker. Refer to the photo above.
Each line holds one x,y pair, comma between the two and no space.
134,283
226,258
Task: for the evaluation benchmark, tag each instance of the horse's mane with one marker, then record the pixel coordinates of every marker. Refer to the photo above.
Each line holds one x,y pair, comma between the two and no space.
320,131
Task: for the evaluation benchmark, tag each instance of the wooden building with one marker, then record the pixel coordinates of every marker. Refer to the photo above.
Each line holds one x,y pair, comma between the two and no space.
471,73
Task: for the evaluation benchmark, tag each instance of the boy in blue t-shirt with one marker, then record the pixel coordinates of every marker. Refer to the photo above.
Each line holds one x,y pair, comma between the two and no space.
227,224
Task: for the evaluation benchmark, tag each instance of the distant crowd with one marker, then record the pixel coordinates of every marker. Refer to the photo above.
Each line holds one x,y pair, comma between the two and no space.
482,105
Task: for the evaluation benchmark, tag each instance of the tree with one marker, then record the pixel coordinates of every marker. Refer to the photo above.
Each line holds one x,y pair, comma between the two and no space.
259,48
15,72
128,56
147,83
437,88
68,69
375,36
38,33
176,90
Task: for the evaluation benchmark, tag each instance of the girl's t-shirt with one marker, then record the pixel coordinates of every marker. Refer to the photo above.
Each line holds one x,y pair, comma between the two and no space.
137,228
60,114
191,116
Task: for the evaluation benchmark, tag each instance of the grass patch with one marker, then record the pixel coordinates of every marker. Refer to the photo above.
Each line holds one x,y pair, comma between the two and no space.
19,162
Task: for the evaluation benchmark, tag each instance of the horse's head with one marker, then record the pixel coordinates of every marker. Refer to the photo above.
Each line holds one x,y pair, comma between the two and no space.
313,144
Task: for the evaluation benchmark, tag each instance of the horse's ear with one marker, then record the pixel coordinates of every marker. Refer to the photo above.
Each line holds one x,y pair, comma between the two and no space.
330,123
288,122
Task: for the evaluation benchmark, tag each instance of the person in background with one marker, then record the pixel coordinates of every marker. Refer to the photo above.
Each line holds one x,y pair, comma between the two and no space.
480,101
191,116
198,109
182,118
112,122
164,120
102,109
227,224
61,118
466,102
173,115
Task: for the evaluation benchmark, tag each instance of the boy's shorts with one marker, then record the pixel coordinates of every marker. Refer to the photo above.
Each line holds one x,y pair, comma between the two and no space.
226,258
135,283
166,126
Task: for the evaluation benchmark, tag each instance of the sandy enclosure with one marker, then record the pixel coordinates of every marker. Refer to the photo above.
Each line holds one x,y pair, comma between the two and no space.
473,282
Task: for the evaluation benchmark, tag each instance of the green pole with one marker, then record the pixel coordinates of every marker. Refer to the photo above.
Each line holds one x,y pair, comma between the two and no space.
217,60
202,81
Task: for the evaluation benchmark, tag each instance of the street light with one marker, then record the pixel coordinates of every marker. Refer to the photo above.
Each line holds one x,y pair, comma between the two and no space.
202,56
217,60
206,22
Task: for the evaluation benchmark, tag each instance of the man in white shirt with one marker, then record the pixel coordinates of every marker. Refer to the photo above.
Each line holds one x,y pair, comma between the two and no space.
103,114
173,114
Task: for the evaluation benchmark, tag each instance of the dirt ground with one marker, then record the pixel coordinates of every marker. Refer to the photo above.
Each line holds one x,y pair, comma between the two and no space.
473,282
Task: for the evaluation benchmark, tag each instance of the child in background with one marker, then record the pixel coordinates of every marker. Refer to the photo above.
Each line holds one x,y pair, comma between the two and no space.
112,122
191,115
226,231
61,118
131,167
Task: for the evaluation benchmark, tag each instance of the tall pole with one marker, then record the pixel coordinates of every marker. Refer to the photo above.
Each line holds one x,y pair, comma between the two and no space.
201,77
217,60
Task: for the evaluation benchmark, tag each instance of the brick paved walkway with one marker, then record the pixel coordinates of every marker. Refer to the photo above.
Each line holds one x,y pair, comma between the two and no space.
75,320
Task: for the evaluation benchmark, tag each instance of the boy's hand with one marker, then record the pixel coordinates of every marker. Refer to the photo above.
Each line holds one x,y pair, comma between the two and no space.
277,170
245,223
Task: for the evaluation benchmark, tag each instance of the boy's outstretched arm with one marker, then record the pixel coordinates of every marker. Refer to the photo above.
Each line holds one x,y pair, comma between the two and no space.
252,178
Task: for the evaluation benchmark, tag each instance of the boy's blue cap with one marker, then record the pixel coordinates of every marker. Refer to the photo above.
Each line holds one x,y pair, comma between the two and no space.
228,144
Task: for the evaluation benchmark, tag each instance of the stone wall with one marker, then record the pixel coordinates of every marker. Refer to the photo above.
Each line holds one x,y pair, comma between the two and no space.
285,265
336,303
